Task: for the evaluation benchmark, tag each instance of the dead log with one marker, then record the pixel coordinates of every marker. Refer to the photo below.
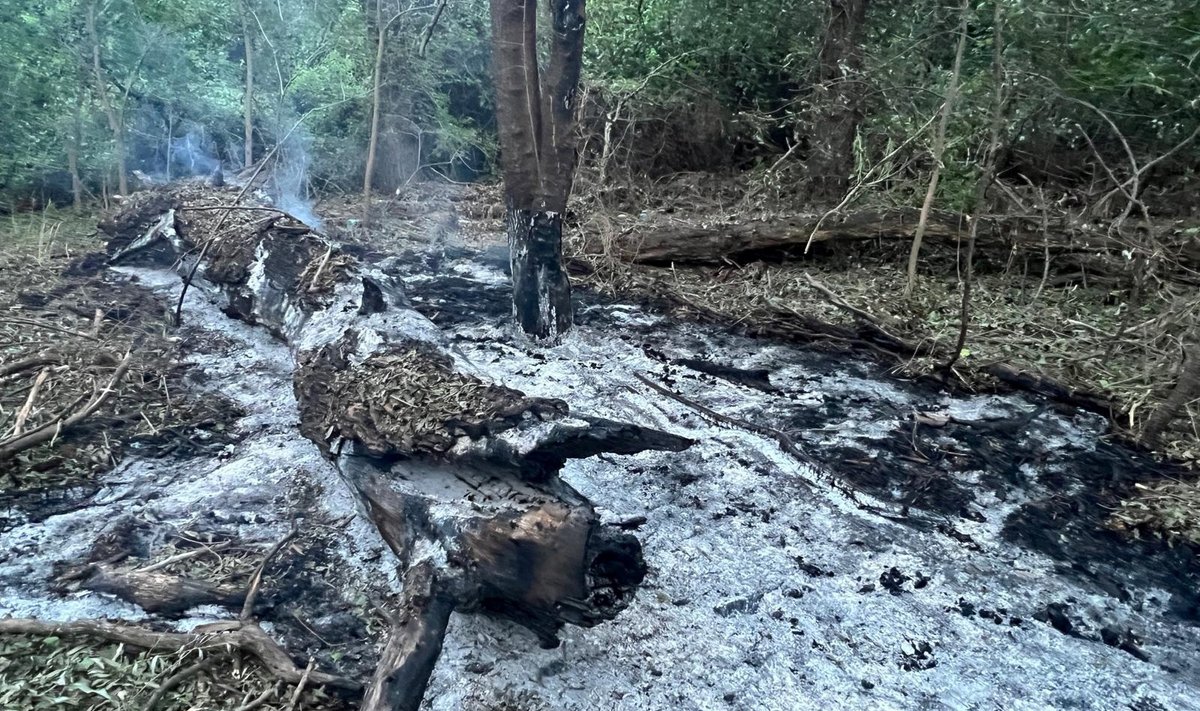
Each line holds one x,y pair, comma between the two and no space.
459,477
1087,246
746,241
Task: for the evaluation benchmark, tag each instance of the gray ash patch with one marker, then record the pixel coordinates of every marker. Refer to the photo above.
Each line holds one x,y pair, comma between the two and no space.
900,563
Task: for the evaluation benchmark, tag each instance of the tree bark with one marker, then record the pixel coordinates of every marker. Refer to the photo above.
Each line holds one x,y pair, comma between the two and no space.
160,593
541,288
413,645
776,239
536,116
938,148
839,108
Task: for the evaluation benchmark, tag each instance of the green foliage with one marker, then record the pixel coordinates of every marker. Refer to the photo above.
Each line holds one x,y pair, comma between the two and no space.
1138,62
744,52
174,69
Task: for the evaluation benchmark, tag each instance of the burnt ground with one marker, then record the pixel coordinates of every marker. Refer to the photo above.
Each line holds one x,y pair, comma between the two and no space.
48,308
934,469
981,474
929,549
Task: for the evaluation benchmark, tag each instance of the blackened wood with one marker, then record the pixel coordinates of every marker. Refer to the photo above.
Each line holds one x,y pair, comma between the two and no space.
161,593
414,643
541,289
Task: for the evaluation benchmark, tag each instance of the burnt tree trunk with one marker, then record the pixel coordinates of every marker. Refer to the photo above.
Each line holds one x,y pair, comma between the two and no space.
460,479
536,109
838,111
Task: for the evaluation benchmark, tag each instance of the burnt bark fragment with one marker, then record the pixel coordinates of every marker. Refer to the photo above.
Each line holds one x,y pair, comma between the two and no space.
160,593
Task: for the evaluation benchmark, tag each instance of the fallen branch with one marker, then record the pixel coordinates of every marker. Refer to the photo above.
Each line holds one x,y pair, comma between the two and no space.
308,670
838,302
186,555
18,366
260,699
159,593
27,408
256,579
785,442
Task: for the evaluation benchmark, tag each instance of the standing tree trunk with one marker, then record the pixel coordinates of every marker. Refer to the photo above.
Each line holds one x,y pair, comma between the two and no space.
938,149
536,114
394,148
377,86
115,121
73,151
985,179
248,99
839,108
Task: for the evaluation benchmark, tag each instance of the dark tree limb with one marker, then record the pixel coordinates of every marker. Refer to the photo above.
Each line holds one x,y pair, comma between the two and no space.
19,443
414,643
1187,388
160,593
178,678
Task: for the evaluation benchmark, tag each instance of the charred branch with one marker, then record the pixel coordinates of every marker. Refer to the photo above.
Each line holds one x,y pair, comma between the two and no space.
160,593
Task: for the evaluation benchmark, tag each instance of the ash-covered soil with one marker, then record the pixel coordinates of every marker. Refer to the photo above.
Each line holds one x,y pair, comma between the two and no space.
932,550
925,550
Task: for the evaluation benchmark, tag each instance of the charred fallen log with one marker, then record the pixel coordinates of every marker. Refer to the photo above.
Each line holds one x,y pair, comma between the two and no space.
460,477
686,243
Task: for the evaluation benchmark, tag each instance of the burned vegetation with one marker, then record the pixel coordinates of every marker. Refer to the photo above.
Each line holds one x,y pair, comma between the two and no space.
457,476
